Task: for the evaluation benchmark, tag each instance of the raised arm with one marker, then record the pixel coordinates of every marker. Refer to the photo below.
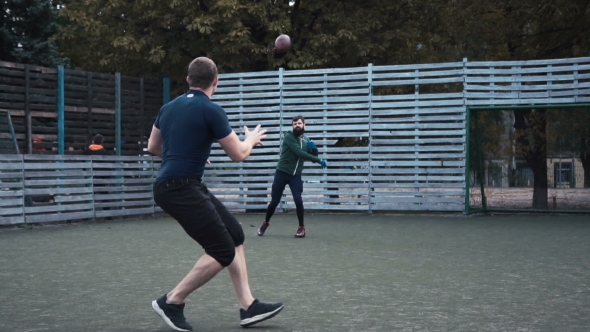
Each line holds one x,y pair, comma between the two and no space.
239,150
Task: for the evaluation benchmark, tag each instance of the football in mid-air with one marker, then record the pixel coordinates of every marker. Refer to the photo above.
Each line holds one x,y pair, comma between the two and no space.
282,43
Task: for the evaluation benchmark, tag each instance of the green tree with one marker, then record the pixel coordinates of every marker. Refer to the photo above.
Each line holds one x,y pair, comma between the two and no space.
160,38
506,29
26,31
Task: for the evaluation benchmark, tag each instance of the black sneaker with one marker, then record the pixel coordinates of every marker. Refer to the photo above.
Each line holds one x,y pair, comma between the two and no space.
259,312
172,314
263,228
300,232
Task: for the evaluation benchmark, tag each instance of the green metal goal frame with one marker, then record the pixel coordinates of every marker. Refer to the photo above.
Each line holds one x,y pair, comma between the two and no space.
484,208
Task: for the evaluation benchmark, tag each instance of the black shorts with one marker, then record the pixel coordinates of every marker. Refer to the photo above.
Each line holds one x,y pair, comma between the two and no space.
202,216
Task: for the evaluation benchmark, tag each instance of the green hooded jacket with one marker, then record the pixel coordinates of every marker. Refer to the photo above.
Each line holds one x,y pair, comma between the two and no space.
294,152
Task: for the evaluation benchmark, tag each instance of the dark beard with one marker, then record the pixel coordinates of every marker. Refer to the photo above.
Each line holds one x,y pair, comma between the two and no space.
298,132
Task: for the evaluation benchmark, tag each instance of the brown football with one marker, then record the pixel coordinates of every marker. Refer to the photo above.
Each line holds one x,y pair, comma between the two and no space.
282,43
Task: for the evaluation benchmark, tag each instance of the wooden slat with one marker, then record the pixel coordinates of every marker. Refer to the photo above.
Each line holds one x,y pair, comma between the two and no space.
416,111
126,212
11,193
60,191
125,204
15,220
7,211
516,102
417,207
458,200
10,202
419,133
98,189
122,181
482,88
58,182
523,63
418,185
115,172
11,185
42,218
419,193
10,158
58,173
347,207
72,198
10,211
11,166
58,208
54,166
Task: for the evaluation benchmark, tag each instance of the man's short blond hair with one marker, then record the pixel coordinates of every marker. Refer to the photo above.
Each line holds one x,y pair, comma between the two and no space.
202,71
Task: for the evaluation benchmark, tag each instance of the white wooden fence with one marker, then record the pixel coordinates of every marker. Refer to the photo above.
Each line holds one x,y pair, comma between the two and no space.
409,122
46,188
412,119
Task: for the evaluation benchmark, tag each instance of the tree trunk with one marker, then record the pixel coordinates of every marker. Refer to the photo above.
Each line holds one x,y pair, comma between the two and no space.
540,194
532,142
585,157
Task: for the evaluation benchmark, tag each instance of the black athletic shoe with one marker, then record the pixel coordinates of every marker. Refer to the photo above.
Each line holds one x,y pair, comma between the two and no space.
172,314
263,228
300,232
259,312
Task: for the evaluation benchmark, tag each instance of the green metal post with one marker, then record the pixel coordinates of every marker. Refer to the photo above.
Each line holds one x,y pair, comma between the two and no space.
370,182
118,113
60,110
467,163
281,79
481,165
118,128
166,90
526,107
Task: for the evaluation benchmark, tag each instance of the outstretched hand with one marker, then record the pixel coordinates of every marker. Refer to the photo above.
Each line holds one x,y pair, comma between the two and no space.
255,136
323,163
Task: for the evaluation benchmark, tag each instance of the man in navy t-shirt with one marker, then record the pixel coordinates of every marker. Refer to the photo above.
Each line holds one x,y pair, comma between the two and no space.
182,135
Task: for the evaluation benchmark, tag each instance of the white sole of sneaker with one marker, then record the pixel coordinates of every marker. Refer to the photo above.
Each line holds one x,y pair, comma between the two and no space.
160,312
260,318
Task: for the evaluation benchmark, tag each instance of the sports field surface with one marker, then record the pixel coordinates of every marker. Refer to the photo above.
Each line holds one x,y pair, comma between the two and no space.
353,272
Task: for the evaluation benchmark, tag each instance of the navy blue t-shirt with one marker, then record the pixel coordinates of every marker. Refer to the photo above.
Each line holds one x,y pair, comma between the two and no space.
189,125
